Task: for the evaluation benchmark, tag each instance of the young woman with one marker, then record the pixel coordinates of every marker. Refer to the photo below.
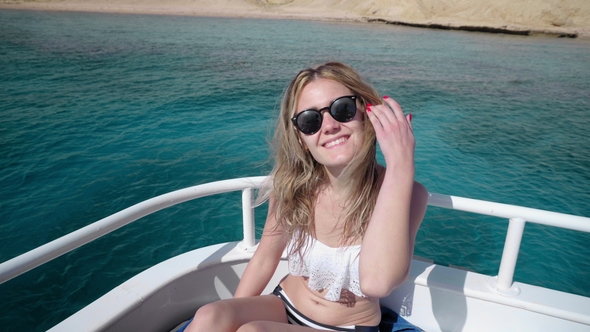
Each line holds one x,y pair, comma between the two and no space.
348,223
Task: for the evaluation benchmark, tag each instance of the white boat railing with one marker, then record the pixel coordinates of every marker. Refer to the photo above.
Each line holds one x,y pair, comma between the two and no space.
518,216
43,254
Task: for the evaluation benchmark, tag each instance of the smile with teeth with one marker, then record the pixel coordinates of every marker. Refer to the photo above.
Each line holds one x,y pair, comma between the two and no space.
336,142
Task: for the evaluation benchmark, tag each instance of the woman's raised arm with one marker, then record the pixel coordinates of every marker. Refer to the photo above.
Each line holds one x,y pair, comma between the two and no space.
388,243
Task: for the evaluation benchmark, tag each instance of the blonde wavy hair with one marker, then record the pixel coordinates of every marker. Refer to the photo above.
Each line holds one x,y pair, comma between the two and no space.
297,177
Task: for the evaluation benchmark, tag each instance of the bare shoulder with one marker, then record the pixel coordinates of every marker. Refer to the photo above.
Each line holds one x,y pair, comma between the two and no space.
274,232
418,205
419,192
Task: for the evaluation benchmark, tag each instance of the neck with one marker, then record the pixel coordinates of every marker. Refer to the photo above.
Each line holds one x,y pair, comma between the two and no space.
334,177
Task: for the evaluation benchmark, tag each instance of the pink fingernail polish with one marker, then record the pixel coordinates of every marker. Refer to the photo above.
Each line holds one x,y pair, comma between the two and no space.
385,97
410,116
369,105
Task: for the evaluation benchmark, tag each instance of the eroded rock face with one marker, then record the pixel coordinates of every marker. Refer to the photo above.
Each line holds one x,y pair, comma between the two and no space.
553,17
527,17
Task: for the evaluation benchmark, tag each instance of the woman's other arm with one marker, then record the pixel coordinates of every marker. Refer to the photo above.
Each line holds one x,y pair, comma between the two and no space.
263,264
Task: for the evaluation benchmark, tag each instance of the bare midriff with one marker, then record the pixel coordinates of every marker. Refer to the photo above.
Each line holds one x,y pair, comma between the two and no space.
349,310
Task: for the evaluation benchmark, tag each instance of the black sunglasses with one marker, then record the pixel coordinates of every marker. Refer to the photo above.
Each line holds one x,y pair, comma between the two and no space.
342,109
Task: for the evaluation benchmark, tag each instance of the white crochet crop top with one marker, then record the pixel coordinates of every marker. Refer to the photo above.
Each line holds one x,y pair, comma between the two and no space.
327,268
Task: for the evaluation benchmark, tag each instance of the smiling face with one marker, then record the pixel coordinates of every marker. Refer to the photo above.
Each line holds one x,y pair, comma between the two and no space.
336,143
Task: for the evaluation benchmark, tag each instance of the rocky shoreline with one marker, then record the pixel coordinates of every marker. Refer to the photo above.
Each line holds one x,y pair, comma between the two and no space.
553,18
488,29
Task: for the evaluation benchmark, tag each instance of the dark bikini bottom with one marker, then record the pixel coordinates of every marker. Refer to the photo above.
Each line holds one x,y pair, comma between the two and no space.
297,318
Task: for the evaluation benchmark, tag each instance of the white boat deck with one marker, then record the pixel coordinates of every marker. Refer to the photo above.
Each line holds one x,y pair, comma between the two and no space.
435,298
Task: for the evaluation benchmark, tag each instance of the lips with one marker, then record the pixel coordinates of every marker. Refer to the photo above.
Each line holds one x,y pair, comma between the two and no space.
336,142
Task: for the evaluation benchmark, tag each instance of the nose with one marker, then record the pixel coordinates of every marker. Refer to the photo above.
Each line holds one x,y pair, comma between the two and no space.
329,124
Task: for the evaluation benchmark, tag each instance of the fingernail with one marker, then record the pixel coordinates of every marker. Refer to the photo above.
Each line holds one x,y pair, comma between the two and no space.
368,109
369,105
385,97
410,116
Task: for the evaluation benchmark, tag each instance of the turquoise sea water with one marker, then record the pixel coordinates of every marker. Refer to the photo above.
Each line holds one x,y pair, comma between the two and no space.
99,112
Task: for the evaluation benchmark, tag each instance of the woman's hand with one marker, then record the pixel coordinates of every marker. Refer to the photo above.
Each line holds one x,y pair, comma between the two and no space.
394,134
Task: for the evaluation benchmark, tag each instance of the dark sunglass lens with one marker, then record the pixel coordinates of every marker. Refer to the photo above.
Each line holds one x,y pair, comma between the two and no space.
343,109
309,122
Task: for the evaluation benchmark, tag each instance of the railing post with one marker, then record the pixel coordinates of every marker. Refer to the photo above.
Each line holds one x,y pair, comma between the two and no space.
505,277
248,219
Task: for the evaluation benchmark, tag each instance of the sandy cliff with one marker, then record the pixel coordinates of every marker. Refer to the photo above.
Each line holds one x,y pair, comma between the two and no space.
557,17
